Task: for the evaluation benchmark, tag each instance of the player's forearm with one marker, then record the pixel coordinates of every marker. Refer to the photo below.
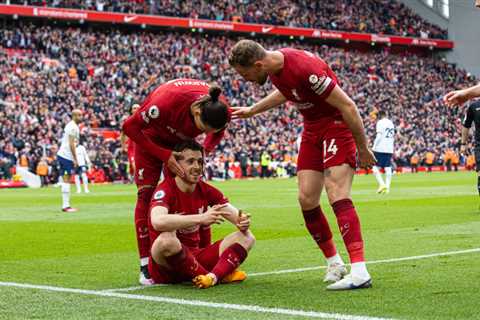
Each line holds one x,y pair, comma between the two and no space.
352,118
133,129
473,92
464,135
233,214
273,100
172,222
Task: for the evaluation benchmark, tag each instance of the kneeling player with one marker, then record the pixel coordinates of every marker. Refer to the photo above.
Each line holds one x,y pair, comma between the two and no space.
181,212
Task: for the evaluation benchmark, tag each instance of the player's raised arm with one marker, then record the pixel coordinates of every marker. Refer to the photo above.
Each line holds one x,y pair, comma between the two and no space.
274,99
340,100
459,97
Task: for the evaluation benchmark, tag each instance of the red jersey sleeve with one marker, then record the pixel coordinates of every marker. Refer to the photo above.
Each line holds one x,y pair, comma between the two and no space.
162,197
152,112
317,77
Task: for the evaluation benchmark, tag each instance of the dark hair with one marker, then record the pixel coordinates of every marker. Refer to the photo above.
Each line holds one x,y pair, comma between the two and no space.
214,112
382,114
245,52
187,145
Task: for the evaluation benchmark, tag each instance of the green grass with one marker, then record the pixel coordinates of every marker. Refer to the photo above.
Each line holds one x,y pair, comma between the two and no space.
95,249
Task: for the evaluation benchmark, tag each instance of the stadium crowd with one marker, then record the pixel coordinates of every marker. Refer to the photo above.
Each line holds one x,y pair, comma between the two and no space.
371,16
46,72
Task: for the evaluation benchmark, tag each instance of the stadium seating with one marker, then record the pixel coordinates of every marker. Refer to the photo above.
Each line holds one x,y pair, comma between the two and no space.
45,72
371,16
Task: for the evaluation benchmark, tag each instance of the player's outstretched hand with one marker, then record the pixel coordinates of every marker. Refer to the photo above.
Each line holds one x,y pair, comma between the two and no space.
243,223
242,112
456,98
366,158
213,215
173,165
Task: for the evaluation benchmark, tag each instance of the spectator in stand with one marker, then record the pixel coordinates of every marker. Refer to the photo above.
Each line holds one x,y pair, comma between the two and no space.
371,16
38,88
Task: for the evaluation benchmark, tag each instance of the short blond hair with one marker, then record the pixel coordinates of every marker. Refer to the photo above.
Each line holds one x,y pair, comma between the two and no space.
245,52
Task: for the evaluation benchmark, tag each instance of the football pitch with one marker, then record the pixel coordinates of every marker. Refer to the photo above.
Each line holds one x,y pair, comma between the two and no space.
422,243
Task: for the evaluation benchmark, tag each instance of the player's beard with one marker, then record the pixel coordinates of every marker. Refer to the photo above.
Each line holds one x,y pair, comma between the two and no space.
193,177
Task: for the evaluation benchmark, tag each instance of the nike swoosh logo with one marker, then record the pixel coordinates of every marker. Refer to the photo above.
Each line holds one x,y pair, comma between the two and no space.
325,160
266,29
129,19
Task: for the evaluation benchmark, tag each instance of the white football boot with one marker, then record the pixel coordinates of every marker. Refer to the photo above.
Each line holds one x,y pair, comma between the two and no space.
335,272
351,282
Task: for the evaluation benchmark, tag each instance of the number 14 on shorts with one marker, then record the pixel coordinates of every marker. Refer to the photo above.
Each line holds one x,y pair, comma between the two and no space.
329,147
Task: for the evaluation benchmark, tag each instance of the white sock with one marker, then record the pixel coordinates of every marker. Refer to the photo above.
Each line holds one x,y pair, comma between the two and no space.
66,195
77,183
85,181
335,259
388,176
359,269
143,261
378,176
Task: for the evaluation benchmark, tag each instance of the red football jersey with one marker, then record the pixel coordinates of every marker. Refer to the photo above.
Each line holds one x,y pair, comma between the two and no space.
165,119
168,195
306,80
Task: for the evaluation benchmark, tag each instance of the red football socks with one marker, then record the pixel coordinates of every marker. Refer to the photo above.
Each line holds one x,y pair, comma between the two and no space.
229,260
185,263
349,225
141,221
317,225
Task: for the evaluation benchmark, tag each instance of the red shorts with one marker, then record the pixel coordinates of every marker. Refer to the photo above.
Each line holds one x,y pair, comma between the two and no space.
147,168
326,146
207,257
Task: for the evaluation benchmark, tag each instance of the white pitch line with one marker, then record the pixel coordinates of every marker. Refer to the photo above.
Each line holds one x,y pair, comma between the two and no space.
196,303
134,288
425,256
258,274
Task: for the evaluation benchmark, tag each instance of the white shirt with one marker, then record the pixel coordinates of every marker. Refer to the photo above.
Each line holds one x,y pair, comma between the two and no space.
385,136
71,130
82,156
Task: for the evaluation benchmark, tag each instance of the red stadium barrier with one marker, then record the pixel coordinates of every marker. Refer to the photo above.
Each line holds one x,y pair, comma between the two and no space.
142,19
4,184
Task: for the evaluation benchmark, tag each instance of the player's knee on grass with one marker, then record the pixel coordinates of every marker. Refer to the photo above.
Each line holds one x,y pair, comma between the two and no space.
166,245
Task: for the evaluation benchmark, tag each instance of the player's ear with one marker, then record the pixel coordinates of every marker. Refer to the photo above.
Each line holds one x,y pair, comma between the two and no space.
258,65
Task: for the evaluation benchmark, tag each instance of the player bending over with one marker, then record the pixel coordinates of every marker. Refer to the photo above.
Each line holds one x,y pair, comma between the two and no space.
181,213
333,132
176,111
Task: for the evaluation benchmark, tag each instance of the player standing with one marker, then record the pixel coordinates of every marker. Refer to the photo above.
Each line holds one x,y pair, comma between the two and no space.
83,163
472,116
67,157
176,111
129,145
332,127
383,151
183,206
